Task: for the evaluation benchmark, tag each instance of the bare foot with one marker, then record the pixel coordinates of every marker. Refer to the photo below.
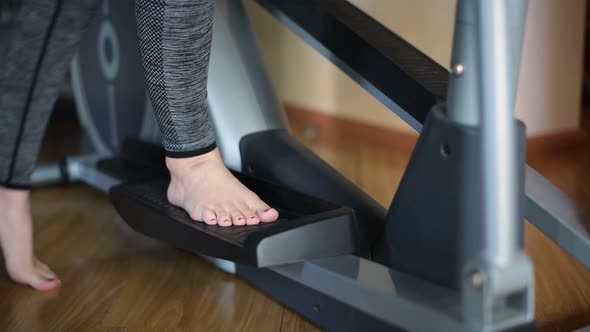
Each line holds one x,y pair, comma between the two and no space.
207,190
16,240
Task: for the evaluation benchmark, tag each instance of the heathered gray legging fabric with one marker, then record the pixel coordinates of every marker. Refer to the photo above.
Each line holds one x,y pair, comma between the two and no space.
38,43
175,42
36,47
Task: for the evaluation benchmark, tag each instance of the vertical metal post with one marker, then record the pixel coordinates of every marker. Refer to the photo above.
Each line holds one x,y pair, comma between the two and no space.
482,94
463,96
500,21
236,65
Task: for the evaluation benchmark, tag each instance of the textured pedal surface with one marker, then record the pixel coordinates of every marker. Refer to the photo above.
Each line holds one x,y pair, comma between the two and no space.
307,228
154,194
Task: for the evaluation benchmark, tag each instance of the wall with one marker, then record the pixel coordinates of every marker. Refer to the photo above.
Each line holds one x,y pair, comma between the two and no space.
550,89
549,92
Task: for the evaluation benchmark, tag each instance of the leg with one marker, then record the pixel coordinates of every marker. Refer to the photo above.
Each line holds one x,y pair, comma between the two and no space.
175,41
38,44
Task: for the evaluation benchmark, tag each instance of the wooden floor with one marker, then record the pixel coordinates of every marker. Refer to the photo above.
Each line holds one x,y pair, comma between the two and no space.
116,280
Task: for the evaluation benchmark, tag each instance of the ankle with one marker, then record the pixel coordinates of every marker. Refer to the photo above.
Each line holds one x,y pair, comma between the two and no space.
180,166
14,196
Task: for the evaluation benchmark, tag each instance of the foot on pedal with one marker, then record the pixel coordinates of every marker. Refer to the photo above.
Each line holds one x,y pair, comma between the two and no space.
208,192
307,228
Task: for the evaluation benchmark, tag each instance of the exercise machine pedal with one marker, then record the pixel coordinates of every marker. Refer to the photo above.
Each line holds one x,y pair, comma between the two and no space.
136,161
129,170
307,228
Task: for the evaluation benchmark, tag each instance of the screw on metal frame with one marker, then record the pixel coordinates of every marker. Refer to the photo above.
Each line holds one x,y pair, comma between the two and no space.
457,69
475,279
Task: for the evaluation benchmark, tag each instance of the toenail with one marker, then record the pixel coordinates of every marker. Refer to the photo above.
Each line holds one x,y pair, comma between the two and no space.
253,217
266,210
240,218
211,219
226,220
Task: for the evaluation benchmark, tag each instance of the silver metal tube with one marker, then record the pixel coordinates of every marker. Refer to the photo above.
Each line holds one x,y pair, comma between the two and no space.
48,174
236,65
463,96
499,60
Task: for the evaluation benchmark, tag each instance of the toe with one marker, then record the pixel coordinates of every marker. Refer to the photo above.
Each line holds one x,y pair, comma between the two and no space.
249,214
223,218
238,218
47,284
252,219
268,214
265,213
209,217
34,278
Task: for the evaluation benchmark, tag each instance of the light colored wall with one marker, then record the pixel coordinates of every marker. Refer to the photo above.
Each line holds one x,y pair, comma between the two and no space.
549,89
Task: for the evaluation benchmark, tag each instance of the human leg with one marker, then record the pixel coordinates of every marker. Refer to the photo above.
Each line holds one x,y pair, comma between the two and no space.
175,41
37,45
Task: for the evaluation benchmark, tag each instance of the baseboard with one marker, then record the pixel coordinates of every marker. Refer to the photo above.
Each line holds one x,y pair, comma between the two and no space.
548,143
330,127
334,128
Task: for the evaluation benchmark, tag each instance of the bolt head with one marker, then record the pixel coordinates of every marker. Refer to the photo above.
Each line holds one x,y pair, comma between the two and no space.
475,279
457,69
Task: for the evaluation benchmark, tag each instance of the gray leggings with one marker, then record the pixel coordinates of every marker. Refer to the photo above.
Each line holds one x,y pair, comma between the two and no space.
39,41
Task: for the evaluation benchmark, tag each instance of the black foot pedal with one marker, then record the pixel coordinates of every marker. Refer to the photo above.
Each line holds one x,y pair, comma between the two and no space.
307,228
137,162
